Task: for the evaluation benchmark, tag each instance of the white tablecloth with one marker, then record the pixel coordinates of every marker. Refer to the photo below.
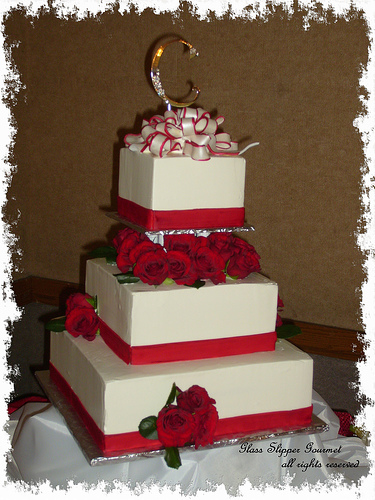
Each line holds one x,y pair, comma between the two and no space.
44,449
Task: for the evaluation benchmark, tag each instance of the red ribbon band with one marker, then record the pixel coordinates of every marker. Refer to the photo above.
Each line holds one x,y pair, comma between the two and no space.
200,218
185,351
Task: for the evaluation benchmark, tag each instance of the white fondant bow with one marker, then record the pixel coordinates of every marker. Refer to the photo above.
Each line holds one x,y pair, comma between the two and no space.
187,131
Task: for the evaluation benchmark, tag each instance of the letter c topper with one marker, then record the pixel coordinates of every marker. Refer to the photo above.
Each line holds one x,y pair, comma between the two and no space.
155,75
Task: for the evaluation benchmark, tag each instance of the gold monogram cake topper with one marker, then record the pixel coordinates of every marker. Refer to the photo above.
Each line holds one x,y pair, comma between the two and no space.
155,75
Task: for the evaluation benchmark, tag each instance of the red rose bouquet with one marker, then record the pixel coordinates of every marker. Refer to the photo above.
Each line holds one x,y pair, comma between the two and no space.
185,259
81,317
192,420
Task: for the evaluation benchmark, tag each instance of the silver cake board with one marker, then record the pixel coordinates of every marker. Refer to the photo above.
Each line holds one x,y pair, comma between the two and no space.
95,456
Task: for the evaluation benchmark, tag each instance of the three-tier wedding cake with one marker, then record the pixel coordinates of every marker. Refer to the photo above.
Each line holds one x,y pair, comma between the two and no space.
177,306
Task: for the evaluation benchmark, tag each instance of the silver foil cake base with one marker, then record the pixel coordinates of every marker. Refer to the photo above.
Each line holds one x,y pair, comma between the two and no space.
94,455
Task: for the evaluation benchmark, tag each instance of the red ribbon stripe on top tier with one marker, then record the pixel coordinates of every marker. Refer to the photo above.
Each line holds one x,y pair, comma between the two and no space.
200,218
186,351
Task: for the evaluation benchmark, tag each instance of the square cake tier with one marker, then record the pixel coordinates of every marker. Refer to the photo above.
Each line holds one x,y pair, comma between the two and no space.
177,192
152,324
253,392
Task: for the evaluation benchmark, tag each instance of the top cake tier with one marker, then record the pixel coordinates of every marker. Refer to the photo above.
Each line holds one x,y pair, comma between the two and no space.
180,172
177,192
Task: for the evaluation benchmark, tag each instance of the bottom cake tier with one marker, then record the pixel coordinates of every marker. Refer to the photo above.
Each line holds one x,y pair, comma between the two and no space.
253,392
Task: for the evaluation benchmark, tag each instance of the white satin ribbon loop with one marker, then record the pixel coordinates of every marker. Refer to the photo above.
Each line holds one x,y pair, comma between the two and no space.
187,131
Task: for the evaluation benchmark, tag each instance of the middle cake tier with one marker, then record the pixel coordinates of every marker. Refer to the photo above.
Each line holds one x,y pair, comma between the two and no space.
146,324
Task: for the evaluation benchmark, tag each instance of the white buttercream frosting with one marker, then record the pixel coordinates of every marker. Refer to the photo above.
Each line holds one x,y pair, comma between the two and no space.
118,396
181,183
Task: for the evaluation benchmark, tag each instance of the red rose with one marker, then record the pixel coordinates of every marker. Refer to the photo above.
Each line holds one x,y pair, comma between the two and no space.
244,260
123,263
222,243
179,265
206,425
209,265
240,245
152,267
142,247
78,300
202,241
175,426
180,242
127,244
189,279
82,321
194,399
123,235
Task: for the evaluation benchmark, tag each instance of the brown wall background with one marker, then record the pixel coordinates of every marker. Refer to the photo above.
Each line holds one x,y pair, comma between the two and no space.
85,83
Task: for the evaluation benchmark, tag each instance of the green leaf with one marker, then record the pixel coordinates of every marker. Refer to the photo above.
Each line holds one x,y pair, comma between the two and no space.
168,281
56,324
172,457
172,395
92,301
197,284
287,331
126,278
147,427
108,252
